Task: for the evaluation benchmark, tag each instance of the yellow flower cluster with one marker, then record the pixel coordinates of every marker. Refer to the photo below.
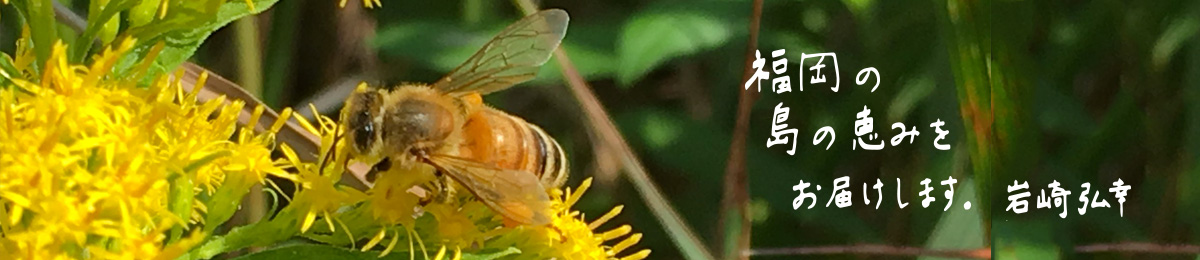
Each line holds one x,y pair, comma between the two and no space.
97,167
569,236
392,213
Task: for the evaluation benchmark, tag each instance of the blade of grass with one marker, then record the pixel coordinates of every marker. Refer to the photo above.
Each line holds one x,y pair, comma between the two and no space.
280,49
970,48
607,132
735,200
250,74
42,26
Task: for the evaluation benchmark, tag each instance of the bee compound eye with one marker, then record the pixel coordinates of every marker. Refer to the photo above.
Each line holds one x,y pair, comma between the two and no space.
365,133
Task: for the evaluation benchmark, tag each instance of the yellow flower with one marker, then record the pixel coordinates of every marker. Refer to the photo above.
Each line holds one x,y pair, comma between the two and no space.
367,3
319,195
455,226
570,236
93,166
399,209
393,199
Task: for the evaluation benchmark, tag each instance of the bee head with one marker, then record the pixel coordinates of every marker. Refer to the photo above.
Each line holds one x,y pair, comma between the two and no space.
361,113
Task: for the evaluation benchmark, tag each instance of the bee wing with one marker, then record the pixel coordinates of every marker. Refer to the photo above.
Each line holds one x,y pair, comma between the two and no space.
512,57
515,194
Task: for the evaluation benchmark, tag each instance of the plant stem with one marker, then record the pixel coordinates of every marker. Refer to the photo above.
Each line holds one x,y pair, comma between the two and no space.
606,130
280,50
249,55
250,73
735,202
1139,247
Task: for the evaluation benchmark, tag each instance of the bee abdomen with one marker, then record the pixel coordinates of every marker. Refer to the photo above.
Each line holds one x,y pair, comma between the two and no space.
512,143
553,162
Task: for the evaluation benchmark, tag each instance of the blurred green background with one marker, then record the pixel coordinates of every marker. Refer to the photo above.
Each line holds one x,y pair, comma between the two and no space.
669,73
1111,90
1073,91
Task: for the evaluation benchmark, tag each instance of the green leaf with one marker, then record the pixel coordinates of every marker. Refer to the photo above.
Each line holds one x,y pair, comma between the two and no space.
1180,31
312,251
650,39
144,12
489,255
433,44
859,7
592,64
442,48
110,25
183,32
180,203
7,69
108,12
1028,250
226,201
39,16
1025,239
959,228
911,94
660,130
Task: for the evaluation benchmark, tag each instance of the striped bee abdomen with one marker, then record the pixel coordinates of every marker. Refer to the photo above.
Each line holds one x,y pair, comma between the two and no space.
492,136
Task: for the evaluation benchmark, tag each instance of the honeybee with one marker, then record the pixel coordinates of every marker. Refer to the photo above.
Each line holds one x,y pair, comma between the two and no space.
506,162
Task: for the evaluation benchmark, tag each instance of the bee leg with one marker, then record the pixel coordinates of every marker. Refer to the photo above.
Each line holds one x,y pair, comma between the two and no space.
382,166
425,200
445,188
439,190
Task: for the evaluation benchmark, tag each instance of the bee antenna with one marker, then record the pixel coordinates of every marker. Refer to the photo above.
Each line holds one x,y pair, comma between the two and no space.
331,153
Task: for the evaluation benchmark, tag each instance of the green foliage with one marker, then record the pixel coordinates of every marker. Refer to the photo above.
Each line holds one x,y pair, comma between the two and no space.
947,234
1037,242
181,28
1172,39
651,38
7,69
426,43
661,130
1111,94
646,41
39,16
309,251
184,30
1068,91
